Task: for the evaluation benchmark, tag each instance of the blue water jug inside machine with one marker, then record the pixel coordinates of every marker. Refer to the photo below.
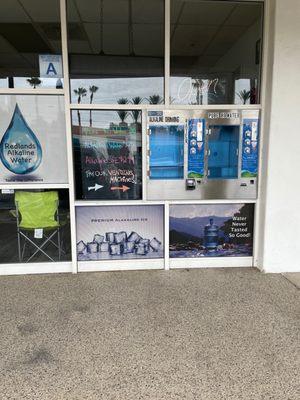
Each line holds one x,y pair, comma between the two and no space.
223,152
167,152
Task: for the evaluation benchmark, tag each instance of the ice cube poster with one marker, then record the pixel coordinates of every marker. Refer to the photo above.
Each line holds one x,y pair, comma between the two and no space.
211,230
120,232
32,139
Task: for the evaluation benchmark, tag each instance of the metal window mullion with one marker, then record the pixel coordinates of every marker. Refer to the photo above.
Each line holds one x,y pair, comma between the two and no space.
157,107
258,233
167,54
144,155
29,185
21,91
167,235
64,39
99,106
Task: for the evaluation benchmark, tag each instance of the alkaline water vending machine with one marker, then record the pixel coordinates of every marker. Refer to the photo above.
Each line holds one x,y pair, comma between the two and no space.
202,154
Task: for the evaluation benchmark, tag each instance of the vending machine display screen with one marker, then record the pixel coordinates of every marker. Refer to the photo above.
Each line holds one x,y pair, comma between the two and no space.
166,146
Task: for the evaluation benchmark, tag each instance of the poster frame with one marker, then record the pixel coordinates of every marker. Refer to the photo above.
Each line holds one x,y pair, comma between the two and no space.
18,180
128,265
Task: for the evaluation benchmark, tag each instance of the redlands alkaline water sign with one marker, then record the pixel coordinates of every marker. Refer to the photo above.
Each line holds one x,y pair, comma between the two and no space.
32,139
20,149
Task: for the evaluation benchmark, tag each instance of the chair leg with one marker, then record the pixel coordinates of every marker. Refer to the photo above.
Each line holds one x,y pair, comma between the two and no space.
39,248
23,251
62,242
19,247
59,244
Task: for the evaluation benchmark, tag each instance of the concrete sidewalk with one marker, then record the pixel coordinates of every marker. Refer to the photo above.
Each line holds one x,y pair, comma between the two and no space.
195,335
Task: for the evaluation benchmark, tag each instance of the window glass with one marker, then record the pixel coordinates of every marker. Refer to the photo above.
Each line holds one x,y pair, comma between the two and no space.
215,52
223,152
116,51
107,154
34,226
30,44
166,157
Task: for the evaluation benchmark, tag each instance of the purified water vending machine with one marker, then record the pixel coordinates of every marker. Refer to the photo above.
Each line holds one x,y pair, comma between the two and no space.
202,154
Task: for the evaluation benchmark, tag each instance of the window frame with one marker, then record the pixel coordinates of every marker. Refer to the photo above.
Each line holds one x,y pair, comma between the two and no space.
73,266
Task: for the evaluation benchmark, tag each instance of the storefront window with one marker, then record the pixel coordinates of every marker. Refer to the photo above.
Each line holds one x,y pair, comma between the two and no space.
215,52
30,44
34,226
123,172
116,51
107,154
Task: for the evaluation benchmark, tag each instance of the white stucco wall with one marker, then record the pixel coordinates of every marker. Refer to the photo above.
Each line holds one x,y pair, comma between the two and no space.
279,234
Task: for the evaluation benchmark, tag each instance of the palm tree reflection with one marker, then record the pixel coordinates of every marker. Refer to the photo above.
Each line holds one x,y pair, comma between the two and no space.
80,92
93,89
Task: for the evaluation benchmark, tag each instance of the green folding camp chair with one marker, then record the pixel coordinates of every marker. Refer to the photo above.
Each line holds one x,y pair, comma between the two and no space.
37,210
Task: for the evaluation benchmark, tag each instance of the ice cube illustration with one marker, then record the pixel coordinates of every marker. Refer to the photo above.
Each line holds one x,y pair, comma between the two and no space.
81,247
116,249
98,238
155,244
129,247
92,247
92,257
104,246
146,242
141,249
82,257
110,237
134,237
120,237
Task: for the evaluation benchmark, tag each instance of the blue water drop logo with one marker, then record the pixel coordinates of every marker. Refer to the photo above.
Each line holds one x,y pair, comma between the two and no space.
20,149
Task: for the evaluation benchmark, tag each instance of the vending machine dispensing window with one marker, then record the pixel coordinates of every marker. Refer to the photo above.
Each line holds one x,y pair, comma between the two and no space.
223,152
166,152
202,154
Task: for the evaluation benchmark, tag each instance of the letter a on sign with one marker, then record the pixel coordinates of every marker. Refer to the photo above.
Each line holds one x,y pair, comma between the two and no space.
50,65
51,69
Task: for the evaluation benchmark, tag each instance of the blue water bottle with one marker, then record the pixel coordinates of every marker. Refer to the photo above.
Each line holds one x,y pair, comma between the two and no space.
211,235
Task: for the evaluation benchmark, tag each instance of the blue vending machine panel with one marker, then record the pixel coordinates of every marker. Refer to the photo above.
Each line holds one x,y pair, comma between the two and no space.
250,148
166,151
223,145
196,148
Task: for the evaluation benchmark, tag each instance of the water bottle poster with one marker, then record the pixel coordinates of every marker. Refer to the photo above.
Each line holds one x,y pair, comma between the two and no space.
32,140
211,230
120,232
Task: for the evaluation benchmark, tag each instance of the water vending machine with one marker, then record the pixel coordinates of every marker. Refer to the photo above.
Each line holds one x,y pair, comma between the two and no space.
202,154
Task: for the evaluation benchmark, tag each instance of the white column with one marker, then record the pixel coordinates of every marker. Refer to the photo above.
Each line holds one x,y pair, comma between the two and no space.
279,207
